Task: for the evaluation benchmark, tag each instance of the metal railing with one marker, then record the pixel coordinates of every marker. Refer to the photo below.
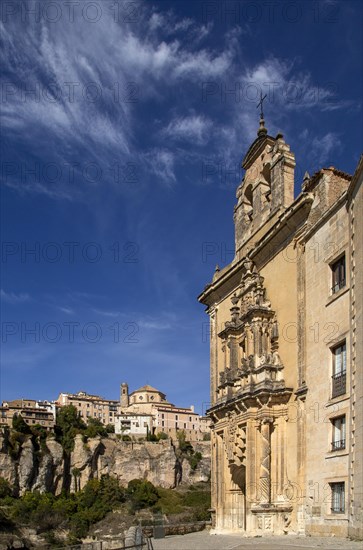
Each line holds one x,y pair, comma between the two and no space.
338,445
340,284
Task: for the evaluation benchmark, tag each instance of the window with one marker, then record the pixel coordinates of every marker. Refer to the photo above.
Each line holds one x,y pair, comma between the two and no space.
339,377
190,418
185,425
337,497
162,422
248,201
338,441
176,417
338,274
176,425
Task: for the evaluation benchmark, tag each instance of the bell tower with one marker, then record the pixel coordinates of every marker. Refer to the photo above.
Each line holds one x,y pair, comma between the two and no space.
124,395
267,187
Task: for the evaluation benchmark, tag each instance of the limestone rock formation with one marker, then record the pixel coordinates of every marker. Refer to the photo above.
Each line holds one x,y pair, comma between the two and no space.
48,469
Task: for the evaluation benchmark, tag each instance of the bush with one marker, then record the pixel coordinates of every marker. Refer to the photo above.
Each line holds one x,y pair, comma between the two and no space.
46,513
5,488
152,437
206,437
184,445
95,428
68,424
142,494
162,435
19,424
194,460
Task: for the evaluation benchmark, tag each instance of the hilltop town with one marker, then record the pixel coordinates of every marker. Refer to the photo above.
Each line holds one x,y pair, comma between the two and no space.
139,414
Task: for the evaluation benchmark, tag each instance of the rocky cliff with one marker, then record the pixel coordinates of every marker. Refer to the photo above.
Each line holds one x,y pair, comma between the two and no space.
48,469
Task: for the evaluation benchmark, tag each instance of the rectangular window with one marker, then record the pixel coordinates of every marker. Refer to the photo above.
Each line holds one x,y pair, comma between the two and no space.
190,418
337,497
339,377
185,425
162,423
338,441
338,274
176,425
176,417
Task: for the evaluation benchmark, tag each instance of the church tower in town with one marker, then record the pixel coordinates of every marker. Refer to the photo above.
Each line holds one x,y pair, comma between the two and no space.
264,378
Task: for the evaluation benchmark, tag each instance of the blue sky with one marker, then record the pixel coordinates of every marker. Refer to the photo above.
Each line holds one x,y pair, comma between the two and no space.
121,146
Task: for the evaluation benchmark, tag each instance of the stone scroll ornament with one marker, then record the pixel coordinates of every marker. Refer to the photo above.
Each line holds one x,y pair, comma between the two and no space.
265,467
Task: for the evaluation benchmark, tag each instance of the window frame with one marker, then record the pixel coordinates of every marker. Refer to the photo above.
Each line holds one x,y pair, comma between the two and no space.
339,377
339,424
337,496
338,274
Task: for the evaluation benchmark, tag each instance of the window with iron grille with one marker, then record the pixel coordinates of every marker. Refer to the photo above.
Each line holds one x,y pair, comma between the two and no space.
339,377
337,497
338,274
338,440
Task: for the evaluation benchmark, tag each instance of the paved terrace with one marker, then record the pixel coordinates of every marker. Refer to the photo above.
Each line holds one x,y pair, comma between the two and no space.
204,541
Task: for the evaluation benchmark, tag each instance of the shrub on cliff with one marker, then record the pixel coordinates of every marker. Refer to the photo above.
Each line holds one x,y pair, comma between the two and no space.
184,445
95,428
194,460
142,494
5,488
19,424
68,424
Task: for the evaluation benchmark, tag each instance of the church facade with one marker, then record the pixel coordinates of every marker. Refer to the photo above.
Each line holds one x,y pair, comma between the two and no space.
286,352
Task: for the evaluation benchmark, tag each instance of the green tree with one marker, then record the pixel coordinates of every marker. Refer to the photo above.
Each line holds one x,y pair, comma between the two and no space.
194,460
95,428
184,445
68,424
5,488
19,424
142,494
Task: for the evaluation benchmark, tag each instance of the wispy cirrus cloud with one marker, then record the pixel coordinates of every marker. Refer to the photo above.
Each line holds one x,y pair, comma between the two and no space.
192,128
67,310
162,164
13,298
325,147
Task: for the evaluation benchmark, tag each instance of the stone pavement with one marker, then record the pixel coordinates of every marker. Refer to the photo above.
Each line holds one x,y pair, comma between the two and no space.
204,541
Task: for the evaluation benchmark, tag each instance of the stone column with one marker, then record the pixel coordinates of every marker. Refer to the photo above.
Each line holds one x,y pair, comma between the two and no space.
265,467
